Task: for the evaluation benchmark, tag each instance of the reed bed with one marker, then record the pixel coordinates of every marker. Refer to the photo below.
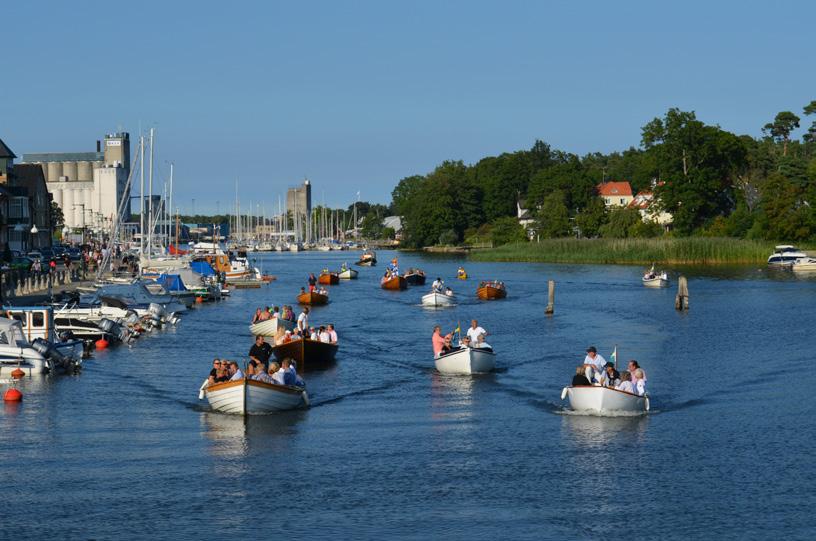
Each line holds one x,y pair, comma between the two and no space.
676,251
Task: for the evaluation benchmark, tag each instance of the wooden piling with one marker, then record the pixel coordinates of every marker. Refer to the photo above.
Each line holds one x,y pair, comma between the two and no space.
551,298
681,301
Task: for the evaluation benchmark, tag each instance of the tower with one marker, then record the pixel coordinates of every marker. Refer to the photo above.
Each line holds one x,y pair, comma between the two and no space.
117,149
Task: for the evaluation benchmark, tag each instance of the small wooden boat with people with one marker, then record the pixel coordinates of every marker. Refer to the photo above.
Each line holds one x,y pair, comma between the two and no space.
328,278
415,277
439,299
309,354
466,361
367,259
653,278
347,273
251,397
491,290
312,298
599,400
395,282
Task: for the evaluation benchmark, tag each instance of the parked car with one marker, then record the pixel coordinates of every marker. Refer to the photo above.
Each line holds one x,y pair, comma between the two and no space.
21,263
74,254
47,253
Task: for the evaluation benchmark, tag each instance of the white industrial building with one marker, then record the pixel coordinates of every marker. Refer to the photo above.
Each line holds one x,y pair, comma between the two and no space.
88,186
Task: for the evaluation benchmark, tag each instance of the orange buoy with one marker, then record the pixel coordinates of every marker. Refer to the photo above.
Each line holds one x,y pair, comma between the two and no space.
12,395
199,300
101,343
17,373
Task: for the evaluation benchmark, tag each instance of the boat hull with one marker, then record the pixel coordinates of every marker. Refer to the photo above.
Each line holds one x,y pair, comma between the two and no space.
396,283
656,282
312,298
270,327
415,279
596,400
438,300
489,293
329,279
250,397
348,274
466,361
807,264
309,354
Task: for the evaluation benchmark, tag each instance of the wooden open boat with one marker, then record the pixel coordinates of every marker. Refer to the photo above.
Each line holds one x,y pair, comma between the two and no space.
269,327
394,283
328,278
312,298
348,274
436,300
491,290
251,397
466,361
597,400
415,277
367,259
309,354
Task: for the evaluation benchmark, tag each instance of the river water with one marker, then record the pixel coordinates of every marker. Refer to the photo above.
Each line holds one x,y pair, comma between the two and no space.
392,450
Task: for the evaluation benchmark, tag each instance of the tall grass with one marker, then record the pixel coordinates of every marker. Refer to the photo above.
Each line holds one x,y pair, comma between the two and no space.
691,250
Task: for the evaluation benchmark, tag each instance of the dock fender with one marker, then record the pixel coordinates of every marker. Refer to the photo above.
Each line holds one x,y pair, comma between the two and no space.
306,399
647,402
565,391
201,391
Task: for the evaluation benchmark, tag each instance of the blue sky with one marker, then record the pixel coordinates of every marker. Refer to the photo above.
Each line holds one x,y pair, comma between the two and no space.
357,95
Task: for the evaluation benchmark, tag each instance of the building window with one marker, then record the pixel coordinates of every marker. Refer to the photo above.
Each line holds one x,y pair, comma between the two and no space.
37,319
621,201
18,207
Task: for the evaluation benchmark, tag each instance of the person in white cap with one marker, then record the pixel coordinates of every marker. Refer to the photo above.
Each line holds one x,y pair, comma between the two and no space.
594,365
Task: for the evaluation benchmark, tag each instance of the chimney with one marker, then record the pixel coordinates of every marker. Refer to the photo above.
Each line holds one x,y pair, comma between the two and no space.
98,145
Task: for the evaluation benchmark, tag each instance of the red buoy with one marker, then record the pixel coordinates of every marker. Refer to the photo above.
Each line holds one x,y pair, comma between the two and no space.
17,373
101,343
199,300
12,395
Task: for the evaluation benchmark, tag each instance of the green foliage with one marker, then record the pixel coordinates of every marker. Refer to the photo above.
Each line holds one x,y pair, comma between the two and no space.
553,218
506,230
810,109
621,223
786,216
57,218
590,219
448,238
781,127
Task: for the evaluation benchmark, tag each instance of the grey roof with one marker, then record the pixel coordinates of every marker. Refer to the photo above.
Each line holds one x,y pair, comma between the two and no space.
5,151
38,157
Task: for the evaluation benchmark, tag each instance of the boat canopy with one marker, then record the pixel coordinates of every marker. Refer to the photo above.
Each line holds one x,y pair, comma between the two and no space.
11,333
171,282
203,268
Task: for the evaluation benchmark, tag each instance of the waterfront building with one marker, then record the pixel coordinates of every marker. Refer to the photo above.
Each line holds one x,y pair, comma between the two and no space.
88,186
615,194
299,205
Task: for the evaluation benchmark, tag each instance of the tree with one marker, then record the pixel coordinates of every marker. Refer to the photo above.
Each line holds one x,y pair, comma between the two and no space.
620,224
782,126
553,218
57,218
810,109
506,230
590,219
786,216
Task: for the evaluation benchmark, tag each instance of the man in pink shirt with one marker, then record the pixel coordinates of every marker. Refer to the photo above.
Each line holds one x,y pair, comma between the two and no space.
437,340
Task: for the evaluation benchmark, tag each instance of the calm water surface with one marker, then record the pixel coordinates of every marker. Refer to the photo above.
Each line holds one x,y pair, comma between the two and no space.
390,449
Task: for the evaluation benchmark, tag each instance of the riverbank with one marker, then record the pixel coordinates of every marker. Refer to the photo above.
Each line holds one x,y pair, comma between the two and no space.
673,251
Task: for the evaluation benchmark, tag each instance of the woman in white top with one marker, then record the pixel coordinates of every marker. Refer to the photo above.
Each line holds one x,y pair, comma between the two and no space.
625,384
640,382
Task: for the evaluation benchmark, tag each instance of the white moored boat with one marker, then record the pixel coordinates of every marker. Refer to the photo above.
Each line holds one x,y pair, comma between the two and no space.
784,255
270,326
436,299
348,274
250,397
17,352
597,400
466,361
804,264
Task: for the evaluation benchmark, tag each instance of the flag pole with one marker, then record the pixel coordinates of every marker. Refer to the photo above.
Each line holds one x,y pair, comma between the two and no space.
616,356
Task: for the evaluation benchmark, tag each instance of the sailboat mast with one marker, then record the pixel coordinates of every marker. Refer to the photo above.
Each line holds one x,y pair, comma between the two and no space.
150,199
141,198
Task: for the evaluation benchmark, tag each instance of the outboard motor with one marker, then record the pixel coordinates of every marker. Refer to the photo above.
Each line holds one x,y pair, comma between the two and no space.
157,313
55,359
65,336
111,328
132,318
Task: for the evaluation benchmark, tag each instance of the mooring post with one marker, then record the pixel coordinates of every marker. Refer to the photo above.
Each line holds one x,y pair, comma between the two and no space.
681,301
551,298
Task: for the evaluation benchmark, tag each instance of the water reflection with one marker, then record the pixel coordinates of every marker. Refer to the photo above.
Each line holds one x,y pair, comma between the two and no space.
597,433
233,436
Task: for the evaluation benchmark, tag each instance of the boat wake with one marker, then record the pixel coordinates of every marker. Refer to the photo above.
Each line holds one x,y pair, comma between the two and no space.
359,392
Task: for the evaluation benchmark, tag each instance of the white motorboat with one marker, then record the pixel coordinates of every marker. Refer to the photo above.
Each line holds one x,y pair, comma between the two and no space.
804,264
784,255
656,279
137,296
40,330
348,274
270,327
251,397
436,299
597,400
466,361
16,351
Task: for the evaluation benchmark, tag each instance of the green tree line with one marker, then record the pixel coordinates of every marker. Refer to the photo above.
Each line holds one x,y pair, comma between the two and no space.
713,182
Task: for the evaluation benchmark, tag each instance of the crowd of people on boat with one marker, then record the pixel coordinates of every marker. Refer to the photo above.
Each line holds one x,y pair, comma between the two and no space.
496,284
438,286
285,313
474,338
283,373
599,372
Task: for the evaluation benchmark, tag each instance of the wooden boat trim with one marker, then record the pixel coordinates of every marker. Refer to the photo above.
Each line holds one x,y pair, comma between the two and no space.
287,389
223,385
608,389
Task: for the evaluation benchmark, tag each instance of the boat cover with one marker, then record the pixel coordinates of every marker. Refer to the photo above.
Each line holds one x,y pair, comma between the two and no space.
203,268
171,282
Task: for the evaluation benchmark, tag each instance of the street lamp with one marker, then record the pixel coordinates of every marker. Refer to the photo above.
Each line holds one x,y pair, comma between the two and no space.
34,231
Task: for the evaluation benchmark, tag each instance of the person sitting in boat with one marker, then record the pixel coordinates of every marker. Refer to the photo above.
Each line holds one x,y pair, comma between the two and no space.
447,347
293,370
448,292
260,374
323,335
436,286
235,372
312,281
639,382
464,343
437,341
223,373
344,267
312,333
323,291
286,375
633,366
625,384
257,317
481,344
594,364
275,312
611,376
259,353
460,272
332,334
265,315
579,378
275,373
214,372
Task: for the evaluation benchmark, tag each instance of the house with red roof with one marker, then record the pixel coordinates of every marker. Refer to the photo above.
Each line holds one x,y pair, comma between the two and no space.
650,211
615,194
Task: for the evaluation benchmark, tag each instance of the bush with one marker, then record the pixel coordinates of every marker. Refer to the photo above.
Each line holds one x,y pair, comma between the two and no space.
448,238
507,230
